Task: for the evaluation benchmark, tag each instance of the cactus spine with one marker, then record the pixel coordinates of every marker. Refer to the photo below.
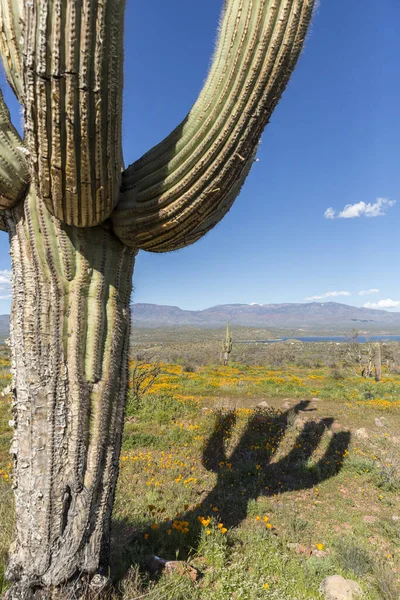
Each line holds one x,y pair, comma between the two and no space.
76,220
227,345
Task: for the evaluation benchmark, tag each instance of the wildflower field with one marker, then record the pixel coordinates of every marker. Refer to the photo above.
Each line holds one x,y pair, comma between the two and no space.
263,501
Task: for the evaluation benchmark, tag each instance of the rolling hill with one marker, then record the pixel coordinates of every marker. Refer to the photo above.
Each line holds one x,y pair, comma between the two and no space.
302,317
4,326
308,316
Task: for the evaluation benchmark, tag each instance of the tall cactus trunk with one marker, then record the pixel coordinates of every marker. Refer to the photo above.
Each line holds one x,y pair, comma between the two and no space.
226,359
378,362
70,334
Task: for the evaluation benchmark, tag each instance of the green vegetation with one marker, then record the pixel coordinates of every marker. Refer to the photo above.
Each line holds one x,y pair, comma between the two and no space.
263,502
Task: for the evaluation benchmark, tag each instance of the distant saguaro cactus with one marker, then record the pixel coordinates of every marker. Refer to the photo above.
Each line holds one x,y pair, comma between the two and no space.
378,362
227,345
76,220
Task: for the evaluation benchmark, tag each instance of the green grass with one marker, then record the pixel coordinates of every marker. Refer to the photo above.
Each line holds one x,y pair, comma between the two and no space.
247,495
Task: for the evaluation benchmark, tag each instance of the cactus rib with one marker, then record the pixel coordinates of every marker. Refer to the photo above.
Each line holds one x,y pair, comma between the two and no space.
73,374
181,188
11,26
72,65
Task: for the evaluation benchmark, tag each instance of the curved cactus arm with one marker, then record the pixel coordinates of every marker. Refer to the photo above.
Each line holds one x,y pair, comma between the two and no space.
11,27
14,172
3,226
182,187
72,96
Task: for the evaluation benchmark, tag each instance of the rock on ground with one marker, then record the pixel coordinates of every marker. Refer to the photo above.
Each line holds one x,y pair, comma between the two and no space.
337,587
336,427
361,433
299,422
263,404
155,564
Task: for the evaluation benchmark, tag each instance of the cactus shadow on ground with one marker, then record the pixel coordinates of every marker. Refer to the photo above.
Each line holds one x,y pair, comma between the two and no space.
255,468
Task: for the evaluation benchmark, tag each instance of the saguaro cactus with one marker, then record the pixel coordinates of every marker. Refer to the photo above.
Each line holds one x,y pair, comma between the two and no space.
378,361
227,345
76,220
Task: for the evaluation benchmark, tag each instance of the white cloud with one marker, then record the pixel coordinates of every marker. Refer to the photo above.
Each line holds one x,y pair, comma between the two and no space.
5,277
329,213
5,285
388,303
328,295
361,209
368,292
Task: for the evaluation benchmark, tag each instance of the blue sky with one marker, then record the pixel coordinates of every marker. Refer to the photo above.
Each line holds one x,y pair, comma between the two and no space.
333,141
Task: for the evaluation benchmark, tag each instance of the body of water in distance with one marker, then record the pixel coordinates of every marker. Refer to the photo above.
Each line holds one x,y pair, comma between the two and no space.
333,338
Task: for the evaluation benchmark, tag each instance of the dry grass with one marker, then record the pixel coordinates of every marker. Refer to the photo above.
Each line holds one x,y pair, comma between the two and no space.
248,496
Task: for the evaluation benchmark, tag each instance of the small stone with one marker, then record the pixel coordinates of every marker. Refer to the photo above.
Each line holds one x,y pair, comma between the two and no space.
286,406
336,427
156,565
7,390
300,548
316,399
379,422
319,553
337,587
395,518
182,568
299,422
98,585
369,519
395,440
263,404
361,433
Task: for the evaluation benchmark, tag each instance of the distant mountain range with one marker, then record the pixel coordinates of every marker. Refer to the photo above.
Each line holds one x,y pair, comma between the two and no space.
313,316
307,316
4,326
